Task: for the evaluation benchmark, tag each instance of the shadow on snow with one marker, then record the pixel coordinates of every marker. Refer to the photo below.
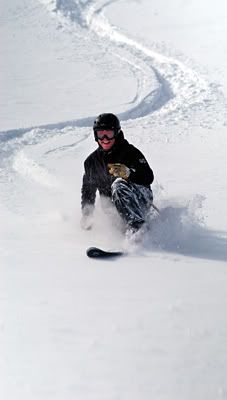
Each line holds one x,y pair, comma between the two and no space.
178,231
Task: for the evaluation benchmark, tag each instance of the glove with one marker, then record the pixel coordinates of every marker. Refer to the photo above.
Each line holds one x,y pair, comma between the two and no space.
86,222
119,170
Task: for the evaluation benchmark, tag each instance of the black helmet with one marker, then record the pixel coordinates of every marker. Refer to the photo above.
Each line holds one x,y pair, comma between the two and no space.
107,121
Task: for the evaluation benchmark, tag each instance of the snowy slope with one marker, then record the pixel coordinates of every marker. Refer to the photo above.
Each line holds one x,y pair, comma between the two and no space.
151,325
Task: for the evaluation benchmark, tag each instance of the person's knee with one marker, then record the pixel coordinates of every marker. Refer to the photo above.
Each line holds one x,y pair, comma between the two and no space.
120,190
119,184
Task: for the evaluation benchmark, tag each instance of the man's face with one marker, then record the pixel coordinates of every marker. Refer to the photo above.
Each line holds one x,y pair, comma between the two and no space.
106,139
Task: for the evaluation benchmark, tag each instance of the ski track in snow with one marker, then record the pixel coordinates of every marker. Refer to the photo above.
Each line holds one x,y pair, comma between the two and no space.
178,89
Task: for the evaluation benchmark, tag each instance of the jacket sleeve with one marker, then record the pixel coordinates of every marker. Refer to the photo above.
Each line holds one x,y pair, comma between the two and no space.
141,173
88,191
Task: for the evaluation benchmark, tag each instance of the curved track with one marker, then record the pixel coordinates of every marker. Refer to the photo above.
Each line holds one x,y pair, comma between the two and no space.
164,84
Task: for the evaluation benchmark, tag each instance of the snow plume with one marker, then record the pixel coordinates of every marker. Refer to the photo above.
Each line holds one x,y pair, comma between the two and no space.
49,4
180,229
71,11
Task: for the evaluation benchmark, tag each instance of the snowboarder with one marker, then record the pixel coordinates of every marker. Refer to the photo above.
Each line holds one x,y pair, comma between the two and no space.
120,172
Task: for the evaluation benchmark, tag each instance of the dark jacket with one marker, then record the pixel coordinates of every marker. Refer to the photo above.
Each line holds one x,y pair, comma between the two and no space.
96,175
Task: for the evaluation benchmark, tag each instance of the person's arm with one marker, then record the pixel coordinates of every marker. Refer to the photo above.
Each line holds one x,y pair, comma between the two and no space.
140,171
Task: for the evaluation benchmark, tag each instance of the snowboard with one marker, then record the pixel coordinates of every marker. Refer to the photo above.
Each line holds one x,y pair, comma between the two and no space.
96,252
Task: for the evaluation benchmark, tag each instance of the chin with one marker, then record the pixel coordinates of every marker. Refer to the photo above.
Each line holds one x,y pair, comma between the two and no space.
107,146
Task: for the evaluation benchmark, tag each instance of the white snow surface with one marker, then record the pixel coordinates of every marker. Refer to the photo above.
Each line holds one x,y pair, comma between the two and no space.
150,325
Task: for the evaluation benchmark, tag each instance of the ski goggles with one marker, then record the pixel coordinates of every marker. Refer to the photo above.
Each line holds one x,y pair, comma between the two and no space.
102,134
